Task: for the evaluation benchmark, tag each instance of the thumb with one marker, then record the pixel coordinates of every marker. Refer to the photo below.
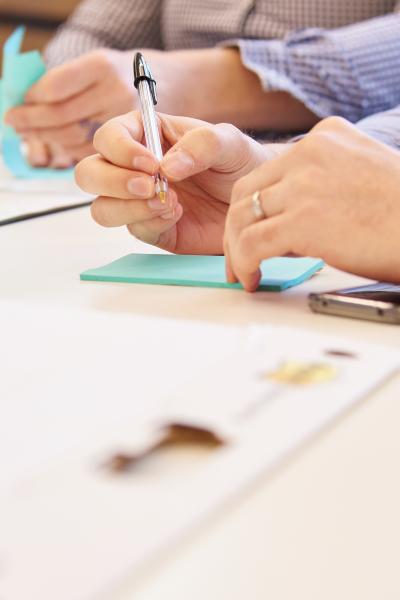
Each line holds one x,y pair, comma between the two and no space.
220,147
67,80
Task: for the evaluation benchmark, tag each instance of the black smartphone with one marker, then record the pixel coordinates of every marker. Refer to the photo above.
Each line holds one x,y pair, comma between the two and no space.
376,302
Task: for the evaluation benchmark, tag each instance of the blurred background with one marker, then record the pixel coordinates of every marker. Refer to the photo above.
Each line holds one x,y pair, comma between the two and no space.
41,18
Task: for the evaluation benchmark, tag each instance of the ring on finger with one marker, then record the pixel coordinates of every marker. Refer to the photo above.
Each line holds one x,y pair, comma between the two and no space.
257,207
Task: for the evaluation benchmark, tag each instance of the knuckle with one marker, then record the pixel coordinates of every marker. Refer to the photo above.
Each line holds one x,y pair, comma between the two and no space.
101,134
83,172
332,124
132,230
240,190
144,234
59,113
327,133
228,130
313,141
101,58
211,138
235,215
50,90
98,212
317,145
79,173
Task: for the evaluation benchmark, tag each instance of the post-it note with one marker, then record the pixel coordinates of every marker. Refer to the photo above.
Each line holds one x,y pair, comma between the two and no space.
20,71
278,274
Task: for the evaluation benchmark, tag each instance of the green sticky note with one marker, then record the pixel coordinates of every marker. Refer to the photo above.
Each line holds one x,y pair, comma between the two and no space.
20,72
200,271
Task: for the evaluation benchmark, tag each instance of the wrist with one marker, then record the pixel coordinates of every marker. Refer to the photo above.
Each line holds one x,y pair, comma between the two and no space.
201,83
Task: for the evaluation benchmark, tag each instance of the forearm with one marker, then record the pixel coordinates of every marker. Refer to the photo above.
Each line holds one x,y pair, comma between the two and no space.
217,87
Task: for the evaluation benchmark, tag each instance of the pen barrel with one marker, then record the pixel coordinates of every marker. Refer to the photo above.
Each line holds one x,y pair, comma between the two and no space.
149,120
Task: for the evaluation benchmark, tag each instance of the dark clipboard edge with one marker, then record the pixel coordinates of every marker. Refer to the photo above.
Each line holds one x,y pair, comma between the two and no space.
43,213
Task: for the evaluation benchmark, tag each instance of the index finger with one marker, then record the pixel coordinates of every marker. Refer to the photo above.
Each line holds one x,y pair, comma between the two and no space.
119,141
65,81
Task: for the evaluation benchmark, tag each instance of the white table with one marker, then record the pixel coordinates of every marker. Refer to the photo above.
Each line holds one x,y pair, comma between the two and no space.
326,524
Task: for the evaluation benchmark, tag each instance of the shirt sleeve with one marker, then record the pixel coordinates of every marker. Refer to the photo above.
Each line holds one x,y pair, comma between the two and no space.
119,24
384,127
353,71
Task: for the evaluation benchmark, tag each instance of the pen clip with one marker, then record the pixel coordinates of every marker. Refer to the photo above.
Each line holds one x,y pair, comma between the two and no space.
141,72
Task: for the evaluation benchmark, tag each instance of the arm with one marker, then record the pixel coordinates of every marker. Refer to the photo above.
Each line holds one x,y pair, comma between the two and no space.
119,24
353,71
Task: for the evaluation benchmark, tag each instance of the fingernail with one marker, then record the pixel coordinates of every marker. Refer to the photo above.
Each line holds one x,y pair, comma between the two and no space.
177,164
38,161
254,281
144,163
230,277
156,204
38,157
61,164
168,215
139,186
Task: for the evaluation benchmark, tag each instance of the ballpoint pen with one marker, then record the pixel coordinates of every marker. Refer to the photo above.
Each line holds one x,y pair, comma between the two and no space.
146,87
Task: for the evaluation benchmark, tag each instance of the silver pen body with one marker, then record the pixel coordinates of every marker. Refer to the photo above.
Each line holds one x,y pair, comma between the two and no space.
147,97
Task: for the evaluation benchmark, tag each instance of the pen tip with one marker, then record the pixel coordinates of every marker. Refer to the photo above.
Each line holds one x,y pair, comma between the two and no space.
162,196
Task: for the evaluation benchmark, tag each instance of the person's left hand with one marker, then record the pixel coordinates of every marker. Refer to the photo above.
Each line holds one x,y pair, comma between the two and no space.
63,110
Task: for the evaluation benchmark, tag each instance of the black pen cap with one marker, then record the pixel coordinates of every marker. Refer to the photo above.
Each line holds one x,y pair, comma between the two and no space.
141,72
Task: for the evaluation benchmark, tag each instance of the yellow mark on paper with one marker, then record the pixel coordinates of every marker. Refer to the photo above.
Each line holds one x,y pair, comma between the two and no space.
301,373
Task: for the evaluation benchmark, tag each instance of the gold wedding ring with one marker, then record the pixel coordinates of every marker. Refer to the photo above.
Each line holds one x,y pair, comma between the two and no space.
258,210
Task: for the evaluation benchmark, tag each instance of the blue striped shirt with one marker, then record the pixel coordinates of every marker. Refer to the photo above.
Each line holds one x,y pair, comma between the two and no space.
353,71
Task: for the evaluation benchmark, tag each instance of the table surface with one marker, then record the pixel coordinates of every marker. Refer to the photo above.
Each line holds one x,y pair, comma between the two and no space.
325,524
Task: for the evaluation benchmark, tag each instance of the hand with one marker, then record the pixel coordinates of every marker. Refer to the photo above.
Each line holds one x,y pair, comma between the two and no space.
202,163
66,106
334,195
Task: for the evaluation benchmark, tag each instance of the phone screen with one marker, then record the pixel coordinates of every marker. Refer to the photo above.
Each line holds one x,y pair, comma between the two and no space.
381,292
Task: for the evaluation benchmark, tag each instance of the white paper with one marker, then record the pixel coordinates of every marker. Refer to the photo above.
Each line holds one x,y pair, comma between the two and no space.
76,531
65,375
20,197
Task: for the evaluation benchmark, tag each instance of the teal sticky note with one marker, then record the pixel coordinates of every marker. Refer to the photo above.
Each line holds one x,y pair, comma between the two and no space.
200,271
20,72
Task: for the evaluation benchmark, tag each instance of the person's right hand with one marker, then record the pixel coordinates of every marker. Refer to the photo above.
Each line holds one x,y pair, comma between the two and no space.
202,163
334,195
